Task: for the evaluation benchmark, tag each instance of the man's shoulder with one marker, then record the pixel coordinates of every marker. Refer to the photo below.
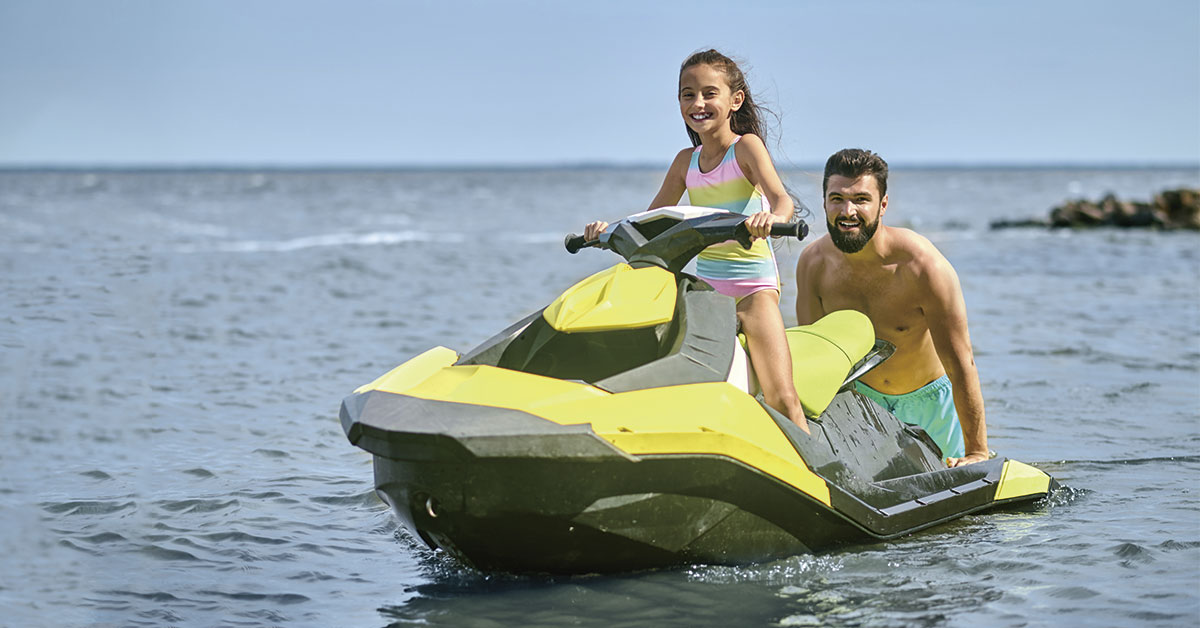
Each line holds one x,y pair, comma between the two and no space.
917,255
907,239
916,247
816,253
815,262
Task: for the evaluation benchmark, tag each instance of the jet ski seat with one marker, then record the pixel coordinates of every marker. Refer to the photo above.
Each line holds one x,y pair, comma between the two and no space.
823,354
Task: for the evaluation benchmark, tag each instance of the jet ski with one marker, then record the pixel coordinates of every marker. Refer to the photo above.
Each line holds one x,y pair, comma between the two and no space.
620,428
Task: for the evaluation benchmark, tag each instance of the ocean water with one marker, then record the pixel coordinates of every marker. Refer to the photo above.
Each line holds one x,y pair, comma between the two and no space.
174,347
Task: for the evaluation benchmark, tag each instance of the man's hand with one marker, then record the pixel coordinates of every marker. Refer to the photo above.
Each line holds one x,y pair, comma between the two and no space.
970,458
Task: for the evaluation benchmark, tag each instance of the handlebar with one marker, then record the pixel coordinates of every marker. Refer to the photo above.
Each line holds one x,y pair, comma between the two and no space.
576,242
798,229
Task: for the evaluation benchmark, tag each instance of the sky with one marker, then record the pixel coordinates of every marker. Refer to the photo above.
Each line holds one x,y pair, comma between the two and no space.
527,82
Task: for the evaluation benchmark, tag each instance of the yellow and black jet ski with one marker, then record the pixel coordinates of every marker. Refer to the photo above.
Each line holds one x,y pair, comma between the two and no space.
620,428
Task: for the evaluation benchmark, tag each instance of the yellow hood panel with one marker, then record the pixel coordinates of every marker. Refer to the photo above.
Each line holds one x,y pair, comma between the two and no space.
621,297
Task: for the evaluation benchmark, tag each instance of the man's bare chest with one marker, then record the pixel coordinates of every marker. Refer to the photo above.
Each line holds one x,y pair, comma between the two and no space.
887,300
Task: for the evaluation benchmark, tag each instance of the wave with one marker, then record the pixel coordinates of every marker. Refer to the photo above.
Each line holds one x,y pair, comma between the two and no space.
1096,356
1185,458
376,238
373,238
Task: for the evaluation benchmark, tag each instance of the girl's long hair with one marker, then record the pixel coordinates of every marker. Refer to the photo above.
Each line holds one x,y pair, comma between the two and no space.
748,118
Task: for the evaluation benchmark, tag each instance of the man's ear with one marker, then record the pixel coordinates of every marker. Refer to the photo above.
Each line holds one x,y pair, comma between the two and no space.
883,205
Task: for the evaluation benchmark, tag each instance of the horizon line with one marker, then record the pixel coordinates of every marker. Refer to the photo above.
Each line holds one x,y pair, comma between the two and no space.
249,166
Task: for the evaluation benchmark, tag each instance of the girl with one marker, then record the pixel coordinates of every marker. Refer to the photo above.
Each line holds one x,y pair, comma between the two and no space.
728,167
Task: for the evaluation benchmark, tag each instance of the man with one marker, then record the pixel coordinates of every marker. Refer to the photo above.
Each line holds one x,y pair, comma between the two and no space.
912,296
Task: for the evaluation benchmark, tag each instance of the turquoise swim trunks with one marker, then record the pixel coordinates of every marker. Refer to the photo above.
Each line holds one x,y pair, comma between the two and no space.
931,407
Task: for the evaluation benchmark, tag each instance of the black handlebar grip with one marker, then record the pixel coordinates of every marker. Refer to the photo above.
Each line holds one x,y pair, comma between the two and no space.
574,243
798,229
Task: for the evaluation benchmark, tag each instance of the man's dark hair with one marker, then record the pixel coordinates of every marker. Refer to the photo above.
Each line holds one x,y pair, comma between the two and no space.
853,163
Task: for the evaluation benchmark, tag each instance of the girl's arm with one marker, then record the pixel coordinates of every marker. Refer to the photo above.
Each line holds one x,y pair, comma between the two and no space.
756,164
675,183
673,187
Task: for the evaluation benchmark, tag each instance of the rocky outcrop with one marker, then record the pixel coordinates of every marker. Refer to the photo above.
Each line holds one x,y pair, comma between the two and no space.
1170,209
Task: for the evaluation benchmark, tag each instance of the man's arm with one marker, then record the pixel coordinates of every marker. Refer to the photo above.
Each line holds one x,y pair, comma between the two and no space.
946,314
808,303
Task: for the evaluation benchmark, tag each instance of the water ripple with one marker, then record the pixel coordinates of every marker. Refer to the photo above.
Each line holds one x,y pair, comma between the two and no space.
243,537
87,507
197,505
96,474
163,553
277,598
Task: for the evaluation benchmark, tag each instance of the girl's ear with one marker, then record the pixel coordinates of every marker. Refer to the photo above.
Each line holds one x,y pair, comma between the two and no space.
738,98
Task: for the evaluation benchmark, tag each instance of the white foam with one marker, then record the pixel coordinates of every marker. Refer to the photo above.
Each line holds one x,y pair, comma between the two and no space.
376,238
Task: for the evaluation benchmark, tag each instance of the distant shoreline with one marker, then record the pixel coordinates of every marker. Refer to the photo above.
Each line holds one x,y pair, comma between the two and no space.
534,167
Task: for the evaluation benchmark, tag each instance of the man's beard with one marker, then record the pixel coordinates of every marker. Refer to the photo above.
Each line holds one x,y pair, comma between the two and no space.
852,243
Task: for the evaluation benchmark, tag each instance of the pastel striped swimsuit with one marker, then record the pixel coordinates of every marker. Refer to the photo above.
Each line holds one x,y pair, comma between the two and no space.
729,268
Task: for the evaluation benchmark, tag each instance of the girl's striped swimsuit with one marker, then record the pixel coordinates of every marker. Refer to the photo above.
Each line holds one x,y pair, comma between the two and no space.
728,267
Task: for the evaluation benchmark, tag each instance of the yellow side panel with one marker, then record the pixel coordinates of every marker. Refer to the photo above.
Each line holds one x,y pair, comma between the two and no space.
413,371
621,297
1019,479
711,418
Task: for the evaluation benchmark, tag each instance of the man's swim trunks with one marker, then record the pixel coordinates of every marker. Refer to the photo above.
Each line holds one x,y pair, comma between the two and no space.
931,407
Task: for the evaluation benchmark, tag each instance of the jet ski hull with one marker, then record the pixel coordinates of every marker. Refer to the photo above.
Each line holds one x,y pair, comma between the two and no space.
500,489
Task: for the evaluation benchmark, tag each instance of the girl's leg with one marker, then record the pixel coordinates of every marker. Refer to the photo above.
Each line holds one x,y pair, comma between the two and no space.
762,323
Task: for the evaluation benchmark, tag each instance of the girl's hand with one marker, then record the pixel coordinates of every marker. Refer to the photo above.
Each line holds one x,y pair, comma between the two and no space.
759,225
593,230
